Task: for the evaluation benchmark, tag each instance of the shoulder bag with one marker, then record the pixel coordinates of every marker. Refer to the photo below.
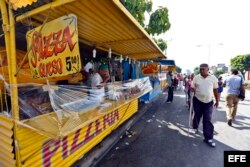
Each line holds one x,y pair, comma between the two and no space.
241,96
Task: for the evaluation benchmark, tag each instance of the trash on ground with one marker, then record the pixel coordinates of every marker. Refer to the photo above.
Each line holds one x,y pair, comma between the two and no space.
150,120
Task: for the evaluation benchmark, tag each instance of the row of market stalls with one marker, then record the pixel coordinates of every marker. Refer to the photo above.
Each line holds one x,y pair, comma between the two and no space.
159,79
50,115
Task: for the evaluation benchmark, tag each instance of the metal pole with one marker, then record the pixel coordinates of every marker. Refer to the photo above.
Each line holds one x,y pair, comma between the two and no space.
190,111
13,87
9,33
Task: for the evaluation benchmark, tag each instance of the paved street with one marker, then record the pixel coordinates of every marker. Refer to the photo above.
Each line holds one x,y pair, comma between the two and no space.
160,137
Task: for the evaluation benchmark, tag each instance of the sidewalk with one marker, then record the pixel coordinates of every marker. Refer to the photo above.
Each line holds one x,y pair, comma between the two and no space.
160,138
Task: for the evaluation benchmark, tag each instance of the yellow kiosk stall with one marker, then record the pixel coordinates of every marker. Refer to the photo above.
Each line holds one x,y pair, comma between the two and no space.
166,65
47,124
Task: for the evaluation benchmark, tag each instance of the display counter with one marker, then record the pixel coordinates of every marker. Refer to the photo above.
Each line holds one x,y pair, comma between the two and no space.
71,119
158,83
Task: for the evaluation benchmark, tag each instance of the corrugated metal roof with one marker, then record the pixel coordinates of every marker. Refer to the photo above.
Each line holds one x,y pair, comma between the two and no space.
105,23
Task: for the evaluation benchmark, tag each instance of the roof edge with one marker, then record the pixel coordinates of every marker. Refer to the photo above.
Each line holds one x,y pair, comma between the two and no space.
131,17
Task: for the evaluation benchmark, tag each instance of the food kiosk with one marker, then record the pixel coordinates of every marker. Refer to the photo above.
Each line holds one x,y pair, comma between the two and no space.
44,123
166,65
152,70
157,72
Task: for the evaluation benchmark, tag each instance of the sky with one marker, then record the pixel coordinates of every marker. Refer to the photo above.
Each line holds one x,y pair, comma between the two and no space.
221,25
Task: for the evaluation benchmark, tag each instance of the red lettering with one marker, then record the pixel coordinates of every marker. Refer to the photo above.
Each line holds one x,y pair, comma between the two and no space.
65,147
48,152
51,67
50,148
42,70
112,120
47,46
76,146
116,115
54,66
59,46
97,126
105,120
52,44
36,48
88,136
67,37
59,66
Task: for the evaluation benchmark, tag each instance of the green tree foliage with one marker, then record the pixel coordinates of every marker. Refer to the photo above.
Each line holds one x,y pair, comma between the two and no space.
137,8
196,70
178,69
217,73
159,22
241,62
161,43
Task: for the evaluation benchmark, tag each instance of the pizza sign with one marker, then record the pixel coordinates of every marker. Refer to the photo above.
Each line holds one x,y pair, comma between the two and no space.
54,48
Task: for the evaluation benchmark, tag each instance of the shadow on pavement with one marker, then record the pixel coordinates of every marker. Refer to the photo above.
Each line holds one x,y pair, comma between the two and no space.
160,139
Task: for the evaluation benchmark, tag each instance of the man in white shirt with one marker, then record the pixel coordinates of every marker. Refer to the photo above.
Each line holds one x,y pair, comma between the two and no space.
94,79
205,86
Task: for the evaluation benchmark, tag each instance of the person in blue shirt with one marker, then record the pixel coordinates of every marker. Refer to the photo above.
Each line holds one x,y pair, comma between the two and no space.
220,87
234,83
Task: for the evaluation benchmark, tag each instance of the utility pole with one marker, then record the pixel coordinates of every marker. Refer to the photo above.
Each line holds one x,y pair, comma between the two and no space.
209,50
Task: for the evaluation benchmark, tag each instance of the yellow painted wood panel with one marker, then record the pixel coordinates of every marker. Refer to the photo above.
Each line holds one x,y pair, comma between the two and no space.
6,142
6,122
66,150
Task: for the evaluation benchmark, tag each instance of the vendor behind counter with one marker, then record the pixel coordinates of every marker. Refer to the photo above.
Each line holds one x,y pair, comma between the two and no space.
104,72
96,78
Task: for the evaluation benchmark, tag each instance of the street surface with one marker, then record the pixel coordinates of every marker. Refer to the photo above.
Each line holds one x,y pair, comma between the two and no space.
160,137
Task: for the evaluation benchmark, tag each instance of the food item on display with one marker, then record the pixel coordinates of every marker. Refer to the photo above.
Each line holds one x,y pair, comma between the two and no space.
33,101
150,68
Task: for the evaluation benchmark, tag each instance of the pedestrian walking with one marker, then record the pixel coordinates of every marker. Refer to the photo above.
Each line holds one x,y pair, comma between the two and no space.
189,84
170,81
176,81
181,83
205,87
220,87
234,84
